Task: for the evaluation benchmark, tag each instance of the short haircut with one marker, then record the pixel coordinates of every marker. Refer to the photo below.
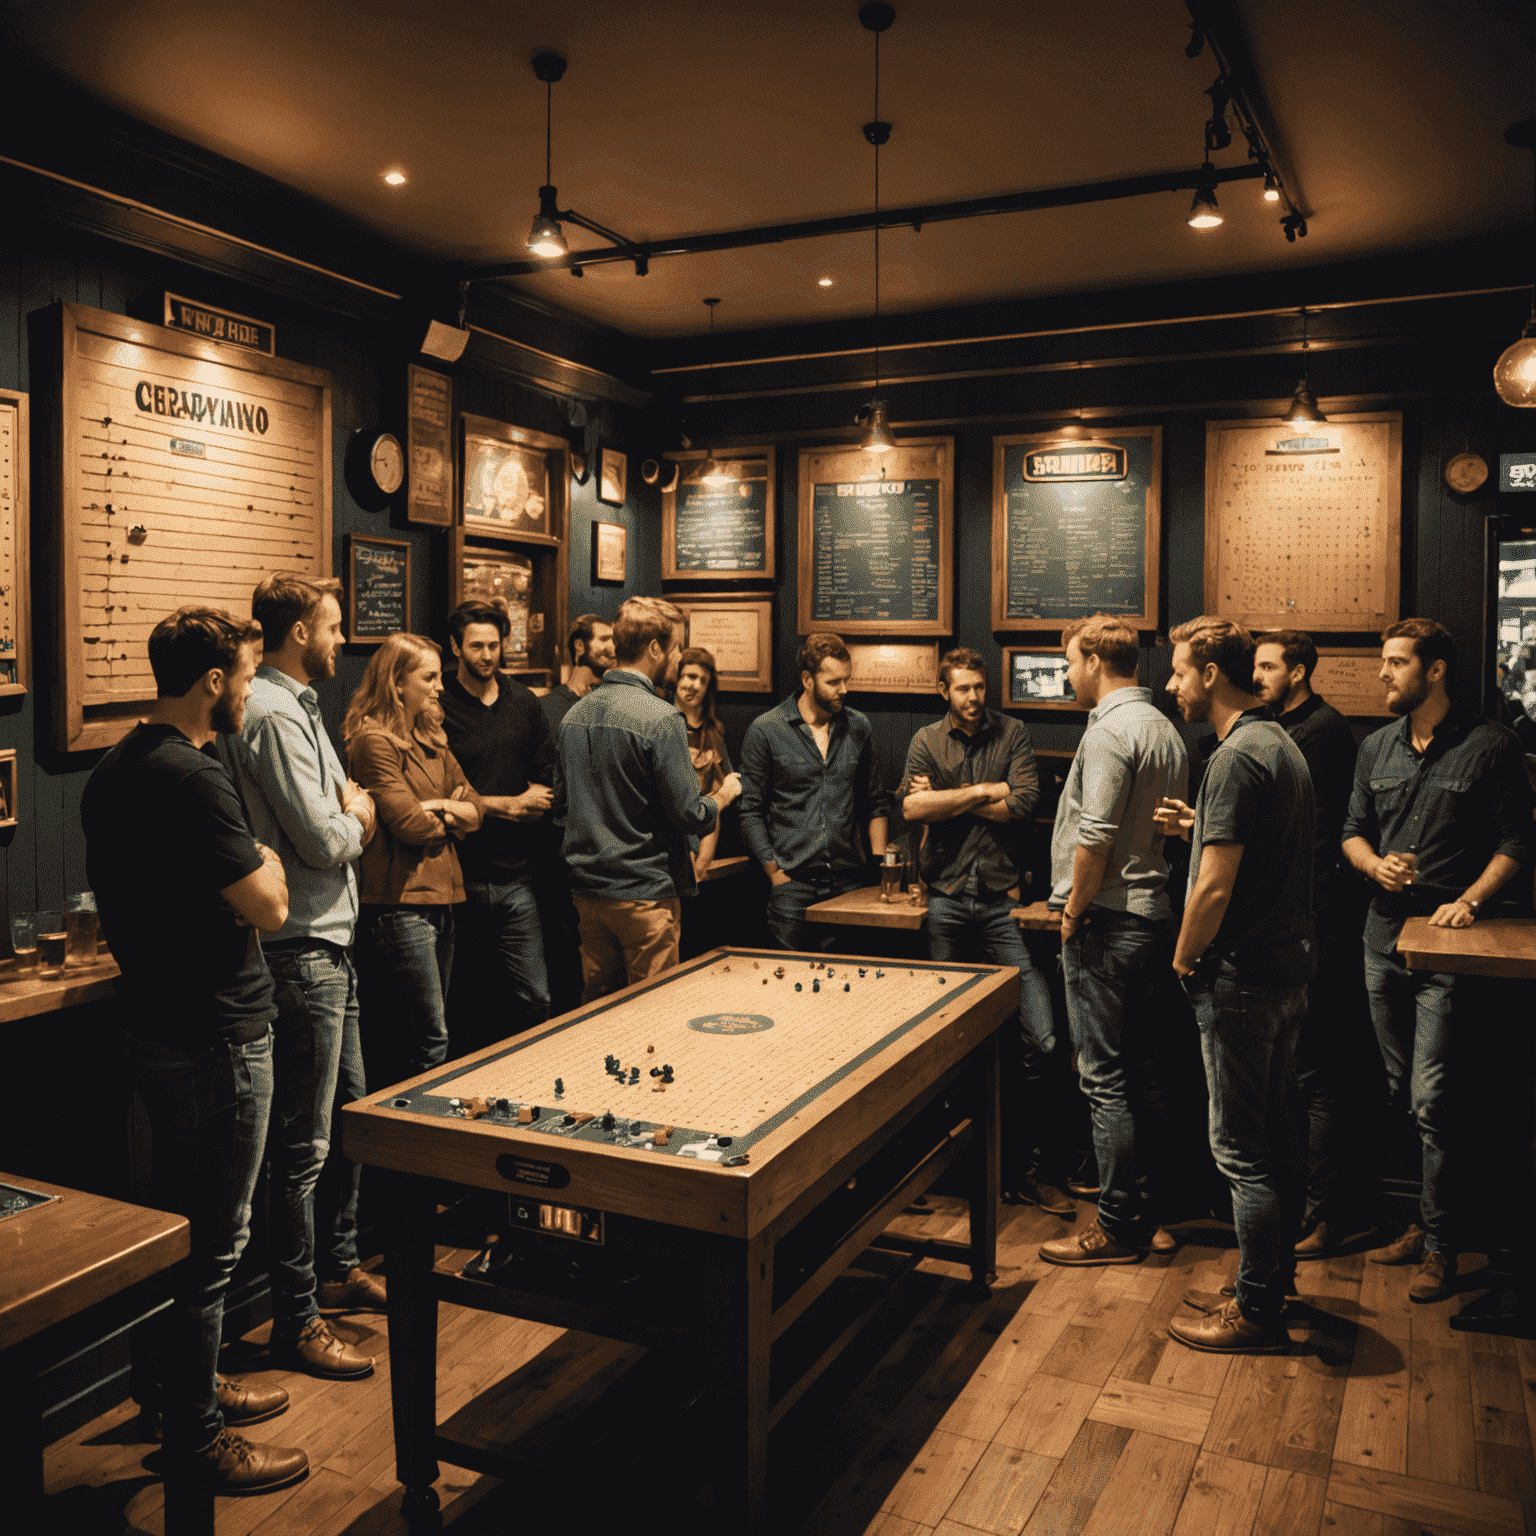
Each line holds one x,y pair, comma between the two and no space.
581,629
961,659
284,599
1296,649
476,612
1109,638
187,644
818,648
1223,641
1432,642
641,620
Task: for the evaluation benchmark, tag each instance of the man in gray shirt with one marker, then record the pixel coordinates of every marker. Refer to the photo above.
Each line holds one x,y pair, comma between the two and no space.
1108,881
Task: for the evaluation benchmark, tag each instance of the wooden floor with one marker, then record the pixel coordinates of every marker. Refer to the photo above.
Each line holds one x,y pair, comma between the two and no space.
1058,1407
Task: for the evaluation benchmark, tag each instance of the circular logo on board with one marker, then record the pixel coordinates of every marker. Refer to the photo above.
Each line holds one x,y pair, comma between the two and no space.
731,1023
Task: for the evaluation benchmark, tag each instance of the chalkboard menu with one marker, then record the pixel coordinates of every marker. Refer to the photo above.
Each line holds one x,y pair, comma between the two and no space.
877,539
1075,528
378,588
715,531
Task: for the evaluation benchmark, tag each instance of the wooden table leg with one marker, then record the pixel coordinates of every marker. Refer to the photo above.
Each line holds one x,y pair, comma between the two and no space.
986,1178
412,1311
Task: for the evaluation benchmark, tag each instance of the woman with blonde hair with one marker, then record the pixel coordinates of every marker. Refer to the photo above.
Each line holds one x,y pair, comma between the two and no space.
408,876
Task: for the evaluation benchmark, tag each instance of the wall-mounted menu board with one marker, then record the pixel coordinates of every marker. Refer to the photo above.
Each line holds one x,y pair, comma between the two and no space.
378,588
716,532
429,447
15,524
183,473
1303,524
1076,527
877,539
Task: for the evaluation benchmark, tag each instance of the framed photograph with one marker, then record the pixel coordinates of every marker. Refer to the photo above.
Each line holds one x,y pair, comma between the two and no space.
738,632
884,668
1035,677
505,581
613,477
610,549
378,588
506,482
9,811
429,447
718,532
15,532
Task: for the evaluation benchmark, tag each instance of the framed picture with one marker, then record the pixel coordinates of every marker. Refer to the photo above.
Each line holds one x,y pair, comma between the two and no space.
738,633
429,447
613,477
15,531
378,588
9,811
610,549
505,581
885,668
506,482
1350,680
718,532
1035,677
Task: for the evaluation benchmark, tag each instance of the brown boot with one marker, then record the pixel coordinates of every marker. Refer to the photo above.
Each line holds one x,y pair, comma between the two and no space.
1228,1332
1209,1301
1315,1242
233,1465
1405,1250
1163,1241
1091,1246
241,1404
1435,1278
359,1292
319,1352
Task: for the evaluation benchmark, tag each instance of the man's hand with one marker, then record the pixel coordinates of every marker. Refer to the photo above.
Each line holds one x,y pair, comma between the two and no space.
1181,971
270,859
356,801
528,806
456,812
920,784
1071,925
1392,874
776,876
728,790
1454,914
1173,818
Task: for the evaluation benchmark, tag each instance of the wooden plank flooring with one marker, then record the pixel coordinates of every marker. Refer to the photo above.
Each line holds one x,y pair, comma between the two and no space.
1059,1408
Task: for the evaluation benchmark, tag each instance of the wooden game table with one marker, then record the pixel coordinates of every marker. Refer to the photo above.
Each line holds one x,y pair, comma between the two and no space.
863,908
1503,947
846,1087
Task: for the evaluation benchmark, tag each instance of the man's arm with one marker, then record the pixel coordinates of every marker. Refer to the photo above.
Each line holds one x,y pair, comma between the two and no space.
873,794
1460,913
1106,792
1207,904
677,783
1023,785
1510,791
921,803
756,787
287,770
1089,866
261,898
528,806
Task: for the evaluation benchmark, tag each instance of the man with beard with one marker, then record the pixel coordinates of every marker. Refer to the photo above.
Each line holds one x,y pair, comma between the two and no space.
1439,819
1245,955
498,732
589,643
301,802
629,795
810,781
1328,1059
183,890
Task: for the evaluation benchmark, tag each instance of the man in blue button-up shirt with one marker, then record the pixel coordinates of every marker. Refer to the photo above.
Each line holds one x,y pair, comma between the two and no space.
809,782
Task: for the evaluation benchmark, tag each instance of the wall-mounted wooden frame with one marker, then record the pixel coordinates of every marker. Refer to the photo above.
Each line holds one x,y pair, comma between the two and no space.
378,588
738,631
610,551
1348,678
910,667
1030,673
877,539
1303,525
10,812
504,578
182,472
613,477
429,446
15,542
508,484
721,533
1076,528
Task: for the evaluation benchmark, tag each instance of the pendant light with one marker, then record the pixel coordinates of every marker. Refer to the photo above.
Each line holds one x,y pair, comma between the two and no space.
1304,411
1203,212
546,238
877,436
1514,375
711,471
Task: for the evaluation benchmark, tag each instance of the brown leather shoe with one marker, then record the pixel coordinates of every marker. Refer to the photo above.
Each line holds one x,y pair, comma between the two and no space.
1209,1301
359,1292
1163,1241
1093,1245
1228,1332
1046,1196
241,1404
1435,1278
233,1465
319,1352
1406,1250
1316,1242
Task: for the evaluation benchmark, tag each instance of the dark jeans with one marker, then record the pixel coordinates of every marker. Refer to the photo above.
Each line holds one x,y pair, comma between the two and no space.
958,924
1109,966
404,956
787,924
1413,1013
500,984
208,1117
1248,1038
317,1062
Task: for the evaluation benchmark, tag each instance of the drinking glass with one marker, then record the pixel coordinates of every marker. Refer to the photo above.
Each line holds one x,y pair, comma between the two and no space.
52,944
24,940
80,926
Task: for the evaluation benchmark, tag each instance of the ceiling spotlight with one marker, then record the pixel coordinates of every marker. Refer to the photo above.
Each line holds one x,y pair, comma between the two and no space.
1203,212
394,178
1514,375
545,237
1303,410
823,282
1271,188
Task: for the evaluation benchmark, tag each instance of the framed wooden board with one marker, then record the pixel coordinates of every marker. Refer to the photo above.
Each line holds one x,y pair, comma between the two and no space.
738,632
15,536
894,668
1350,680
10,814
1076,528
1035,677
1303,526
378,588
610,551
429,447
182,473
613,477
509,482
877,539
711,533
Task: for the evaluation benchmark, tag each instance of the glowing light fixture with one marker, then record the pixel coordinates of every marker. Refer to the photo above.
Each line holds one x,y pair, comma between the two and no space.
1271,188
877,437
823,282
1303,410
1514,375
1203,212
545,237
711,471
394,178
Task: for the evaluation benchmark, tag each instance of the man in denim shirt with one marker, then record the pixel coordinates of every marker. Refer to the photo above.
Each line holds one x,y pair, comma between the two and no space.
809,781
1109,882
1448,789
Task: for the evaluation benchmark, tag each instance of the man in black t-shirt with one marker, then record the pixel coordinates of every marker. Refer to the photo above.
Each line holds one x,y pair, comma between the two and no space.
1245,955
183,891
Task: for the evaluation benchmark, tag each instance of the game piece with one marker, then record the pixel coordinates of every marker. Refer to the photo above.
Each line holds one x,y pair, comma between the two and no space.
846,987
607,1121
655,1071
650,1050
559,1087
538,1114
634,1076
733,1162
722,1141
666,1074
816,985
765,981
830,973
779,972
943,981
879,975
569,1120
861,970
660,1134
525,1115
797,986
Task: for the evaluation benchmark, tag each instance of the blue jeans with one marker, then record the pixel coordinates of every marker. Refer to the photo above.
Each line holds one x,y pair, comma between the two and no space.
404,957
1413,1014
501,962
787,924
1109,965
208,1117
1248,1039
317,1061
958,923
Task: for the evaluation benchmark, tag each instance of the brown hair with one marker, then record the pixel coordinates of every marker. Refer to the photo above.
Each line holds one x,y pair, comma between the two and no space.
818,648
477,612
581,629
962,659
377,700
286,598
1432,642
1109,638
641,620
187,644
1296,649
1223,641
697,656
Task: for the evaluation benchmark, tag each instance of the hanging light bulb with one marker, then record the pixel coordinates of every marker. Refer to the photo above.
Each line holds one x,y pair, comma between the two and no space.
1303,411
545,237
1271,188
877,429
1203,212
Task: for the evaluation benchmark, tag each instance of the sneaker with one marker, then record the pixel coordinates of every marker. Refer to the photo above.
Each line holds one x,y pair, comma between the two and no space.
1046,1196
1163,1241
1405,1250
1435,1278
1315,1242
233,1465
241,1404
359,1292
1228,1332
319,1352
1091,1246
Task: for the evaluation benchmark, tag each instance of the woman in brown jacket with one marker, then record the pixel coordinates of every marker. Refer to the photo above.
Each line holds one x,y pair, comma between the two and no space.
408,876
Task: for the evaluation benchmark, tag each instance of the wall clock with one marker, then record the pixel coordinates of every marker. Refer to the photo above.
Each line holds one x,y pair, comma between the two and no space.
1466,472
375,467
